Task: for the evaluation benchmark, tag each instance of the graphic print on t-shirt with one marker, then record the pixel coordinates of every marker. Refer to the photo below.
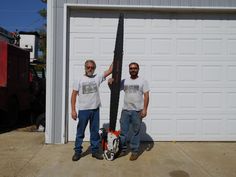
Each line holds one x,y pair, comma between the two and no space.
131,88
89,87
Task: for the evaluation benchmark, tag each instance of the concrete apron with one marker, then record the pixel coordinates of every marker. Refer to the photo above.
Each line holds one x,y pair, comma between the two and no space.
24,154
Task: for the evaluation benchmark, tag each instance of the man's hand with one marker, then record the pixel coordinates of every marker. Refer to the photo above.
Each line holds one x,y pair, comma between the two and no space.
143,113
110,81
74,115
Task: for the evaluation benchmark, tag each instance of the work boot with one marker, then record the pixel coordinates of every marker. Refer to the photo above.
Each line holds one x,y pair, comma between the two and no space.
97,156
133,156
76,157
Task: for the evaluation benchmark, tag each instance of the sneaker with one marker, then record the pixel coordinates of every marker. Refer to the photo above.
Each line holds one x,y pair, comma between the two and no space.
97,156
133,156
76,157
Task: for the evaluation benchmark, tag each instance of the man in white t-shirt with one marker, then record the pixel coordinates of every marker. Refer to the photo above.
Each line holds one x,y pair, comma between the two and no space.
135,107
87,90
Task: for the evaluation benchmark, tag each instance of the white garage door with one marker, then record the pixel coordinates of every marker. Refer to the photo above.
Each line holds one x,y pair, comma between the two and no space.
189,61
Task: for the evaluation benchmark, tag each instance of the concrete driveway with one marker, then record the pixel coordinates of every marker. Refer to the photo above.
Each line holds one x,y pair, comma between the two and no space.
24,154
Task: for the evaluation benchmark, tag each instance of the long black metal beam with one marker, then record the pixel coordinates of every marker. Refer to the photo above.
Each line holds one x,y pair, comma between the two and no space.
116,73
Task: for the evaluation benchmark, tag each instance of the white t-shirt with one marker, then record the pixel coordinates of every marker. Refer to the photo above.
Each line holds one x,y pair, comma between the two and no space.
88,89
134,90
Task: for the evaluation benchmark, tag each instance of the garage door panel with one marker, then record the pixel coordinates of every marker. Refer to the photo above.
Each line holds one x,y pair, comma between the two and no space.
161,23
72,125
188,45
162,100
212,126
162,126
105,22
187,127
106,46
212,45
230,26
76,70
231,43
230,126
191,126
105,104
187,23
212,73
161,45
231,73
194,100
85,22
187,100
133,21
162,72
212,99
135,46
212,26
81,24
82,45
187,73
188,60
231,100
193,74
81,16
90,45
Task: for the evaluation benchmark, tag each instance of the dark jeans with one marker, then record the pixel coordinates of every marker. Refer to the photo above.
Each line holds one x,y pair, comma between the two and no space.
93,117
130,120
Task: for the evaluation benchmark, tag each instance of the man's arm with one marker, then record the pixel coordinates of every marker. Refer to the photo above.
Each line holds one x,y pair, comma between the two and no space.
73,103
145,104
109,71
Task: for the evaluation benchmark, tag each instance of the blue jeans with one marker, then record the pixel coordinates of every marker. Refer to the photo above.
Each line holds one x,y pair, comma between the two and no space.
93,117
130,120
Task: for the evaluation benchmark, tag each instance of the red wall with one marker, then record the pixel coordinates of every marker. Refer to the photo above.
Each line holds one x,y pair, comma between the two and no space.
3,64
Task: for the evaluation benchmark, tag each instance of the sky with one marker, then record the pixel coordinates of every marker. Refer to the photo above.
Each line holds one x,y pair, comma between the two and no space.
21,15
